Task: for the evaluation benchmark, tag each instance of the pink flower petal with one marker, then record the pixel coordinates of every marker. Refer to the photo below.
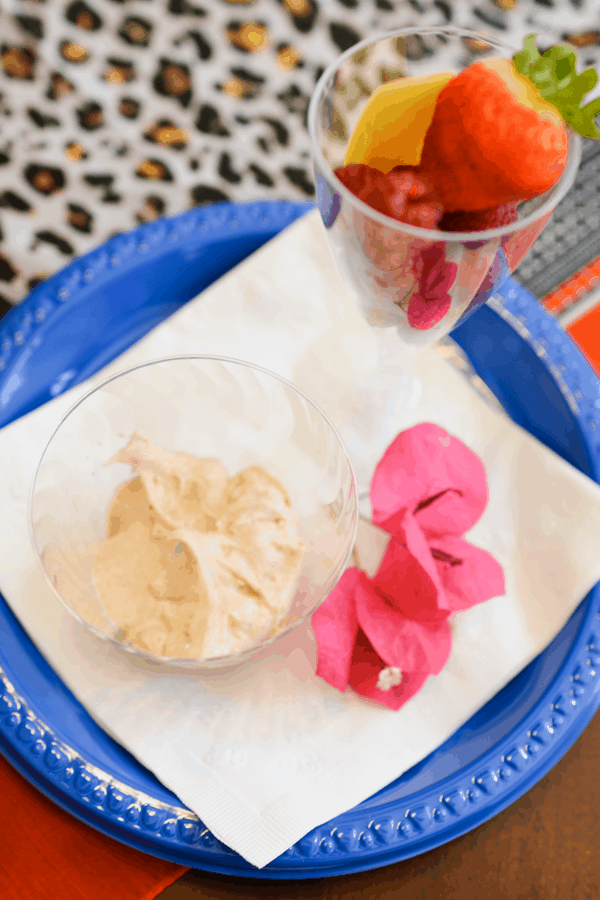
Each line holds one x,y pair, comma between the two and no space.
420,464
425,312
408,576
478,577
409,645
431,301
335,625
428,489
364,672
449,513
438,275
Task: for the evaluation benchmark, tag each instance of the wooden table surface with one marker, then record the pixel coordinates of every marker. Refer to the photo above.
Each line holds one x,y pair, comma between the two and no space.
543,847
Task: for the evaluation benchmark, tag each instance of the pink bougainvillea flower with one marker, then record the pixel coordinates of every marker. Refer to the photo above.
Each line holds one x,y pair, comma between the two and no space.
434,476
335,625
385,635
469,575
431,301
369,671
428,490
408,557
454,575
413,646
367,644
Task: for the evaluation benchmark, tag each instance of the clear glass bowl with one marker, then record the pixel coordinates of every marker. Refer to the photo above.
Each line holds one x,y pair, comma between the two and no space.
379,258
208,407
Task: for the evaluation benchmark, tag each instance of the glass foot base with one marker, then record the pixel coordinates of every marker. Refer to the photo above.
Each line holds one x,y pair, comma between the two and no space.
365,393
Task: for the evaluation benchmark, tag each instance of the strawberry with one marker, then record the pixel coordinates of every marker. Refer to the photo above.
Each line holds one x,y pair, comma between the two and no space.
484,147
498,131
402,194
479,220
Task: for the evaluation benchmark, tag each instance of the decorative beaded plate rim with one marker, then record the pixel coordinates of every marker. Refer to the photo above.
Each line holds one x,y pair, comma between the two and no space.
363,838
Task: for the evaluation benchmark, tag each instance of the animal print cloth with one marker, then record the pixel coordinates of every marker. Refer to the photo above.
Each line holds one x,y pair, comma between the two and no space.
116,112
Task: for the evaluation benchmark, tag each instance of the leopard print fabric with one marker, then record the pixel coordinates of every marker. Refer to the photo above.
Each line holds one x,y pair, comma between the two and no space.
116,112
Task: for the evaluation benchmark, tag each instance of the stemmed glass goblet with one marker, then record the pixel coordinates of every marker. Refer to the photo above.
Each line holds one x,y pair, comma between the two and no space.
412,285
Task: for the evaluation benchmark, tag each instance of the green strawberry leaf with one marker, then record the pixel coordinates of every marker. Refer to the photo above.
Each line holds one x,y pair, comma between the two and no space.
555,75
527,56
583,120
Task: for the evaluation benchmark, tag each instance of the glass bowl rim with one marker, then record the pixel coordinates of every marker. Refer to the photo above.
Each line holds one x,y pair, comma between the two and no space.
196,663
561,186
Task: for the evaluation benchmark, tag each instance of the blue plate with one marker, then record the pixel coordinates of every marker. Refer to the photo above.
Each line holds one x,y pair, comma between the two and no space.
93,310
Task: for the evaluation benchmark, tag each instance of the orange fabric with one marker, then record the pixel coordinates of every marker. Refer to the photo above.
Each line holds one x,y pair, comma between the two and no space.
586,332
575,287
45,853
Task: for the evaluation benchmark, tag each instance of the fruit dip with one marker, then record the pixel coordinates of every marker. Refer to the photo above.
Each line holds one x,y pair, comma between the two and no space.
196,564
453,153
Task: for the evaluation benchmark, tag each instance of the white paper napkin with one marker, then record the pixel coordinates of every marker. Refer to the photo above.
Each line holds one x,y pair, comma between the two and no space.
268,751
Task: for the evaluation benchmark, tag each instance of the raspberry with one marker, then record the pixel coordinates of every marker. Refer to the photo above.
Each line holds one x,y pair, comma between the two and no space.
359,179
479,220
402,194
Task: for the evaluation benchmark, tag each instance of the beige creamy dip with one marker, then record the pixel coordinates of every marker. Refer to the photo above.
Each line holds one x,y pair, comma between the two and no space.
196,564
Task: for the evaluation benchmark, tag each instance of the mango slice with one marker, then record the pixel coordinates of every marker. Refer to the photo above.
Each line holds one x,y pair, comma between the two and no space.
392,126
